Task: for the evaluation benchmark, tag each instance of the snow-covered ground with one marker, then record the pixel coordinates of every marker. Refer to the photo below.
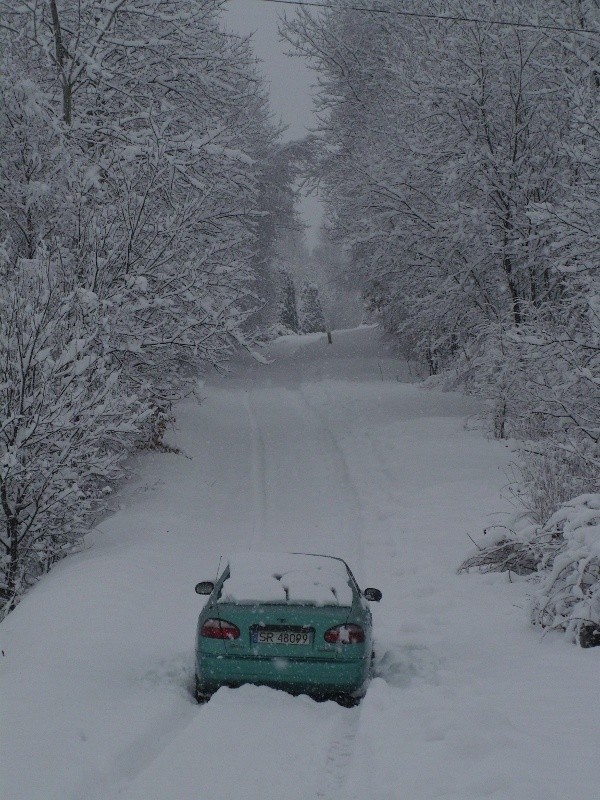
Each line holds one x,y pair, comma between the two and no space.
328,449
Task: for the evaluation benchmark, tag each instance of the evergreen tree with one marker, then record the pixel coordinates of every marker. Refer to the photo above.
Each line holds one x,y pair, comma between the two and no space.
288,312
311,312
278,167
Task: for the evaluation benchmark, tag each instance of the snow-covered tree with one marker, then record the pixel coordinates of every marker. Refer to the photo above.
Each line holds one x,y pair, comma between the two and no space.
339,290
460,171
456,160
133,142
311,313
277,226
288,310
64,417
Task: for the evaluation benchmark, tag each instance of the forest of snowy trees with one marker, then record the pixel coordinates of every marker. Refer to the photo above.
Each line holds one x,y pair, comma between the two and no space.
148,227
460,168
138,176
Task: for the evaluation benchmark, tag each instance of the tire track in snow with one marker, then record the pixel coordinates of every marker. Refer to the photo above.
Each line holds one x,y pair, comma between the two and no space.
339,755
376,500
303,493
343,740
303,416
337,454
112,778
258,471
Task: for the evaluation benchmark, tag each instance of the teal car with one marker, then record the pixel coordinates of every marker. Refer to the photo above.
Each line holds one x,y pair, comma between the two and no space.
294,621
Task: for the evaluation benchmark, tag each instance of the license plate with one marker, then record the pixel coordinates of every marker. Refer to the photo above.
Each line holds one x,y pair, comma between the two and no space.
282,637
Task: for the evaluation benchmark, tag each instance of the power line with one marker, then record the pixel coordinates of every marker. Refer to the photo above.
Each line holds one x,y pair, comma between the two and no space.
423,15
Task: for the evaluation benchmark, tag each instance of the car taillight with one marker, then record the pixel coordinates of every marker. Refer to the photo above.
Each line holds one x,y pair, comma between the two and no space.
219,629
345,634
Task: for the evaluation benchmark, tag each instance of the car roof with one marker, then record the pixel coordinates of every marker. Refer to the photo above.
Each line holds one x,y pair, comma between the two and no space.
301,578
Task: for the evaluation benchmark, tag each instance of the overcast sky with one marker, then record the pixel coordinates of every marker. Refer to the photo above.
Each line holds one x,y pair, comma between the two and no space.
289,79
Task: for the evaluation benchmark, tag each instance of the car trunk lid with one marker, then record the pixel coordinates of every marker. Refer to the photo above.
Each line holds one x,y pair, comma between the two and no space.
282,630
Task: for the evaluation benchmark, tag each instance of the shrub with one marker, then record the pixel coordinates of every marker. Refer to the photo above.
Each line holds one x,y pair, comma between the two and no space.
569,596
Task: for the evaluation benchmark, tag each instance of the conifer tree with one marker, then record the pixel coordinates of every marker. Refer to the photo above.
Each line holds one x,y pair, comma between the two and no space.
288,312
311,312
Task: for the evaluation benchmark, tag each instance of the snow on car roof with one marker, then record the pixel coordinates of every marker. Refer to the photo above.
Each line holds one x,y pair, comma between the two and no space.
287,578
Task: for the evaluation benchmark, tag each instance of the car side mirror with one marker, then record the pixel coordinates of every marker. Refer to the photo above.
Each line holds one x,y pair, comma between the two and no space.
204,587
372,594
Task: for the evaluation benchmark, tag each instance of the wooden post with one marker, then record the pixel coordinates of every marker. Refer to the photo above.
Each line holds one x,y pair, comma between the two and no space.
329,339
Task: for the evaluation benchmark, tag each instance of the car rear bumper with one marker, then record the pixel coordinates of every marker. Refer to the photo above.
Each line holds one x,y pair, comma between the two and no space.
313,676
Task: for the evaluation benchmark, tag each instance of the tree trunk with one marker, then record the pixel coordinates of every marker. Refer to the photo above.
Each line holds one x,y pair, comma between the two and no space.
514,294
67,89
12,531
500,419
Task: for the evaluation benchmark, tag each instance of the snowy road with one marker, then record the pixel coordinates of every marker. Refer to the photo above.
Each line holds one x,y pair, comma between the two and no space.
326,449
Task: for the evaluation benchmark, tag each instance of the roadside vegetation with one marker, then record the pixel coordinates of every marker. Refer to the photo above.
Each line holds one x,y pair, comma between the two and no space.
141,184
460,169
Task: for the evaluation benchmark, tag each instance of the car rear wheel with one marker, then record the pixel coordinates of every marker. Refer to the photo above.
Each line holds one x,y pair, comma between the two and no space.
347,700
201,693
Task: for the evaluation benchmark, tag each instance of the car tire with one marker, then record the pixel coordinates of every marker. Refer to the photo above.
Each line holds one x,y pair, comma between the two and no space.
347,700
201,694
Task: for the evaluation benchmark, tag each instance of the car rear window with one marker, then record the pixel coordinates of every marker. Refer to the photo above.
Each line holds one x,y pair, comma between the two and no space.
287,578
